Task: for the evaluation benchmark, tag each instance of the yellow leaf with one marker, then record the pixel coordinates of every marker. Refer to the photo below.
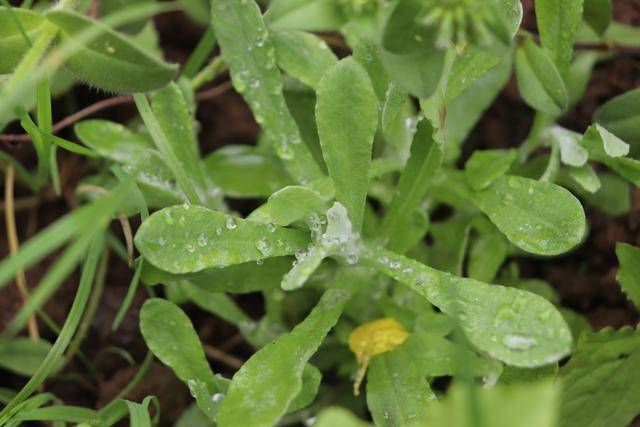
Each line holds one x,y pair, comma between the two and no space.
374,338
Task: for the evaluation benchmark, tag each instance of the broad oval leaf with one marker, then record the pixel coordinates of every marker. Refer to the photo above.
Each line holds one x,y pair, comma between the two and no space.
186,239
485,166
347,121
169,334
112,140
621,116
302,55
294,203
538,217
110,62
262,390
539,80
511,325
12,44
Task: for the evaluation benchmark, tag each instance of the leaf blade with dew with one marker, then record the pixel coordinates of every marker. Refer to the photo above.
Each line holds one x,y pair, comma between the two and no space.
259,396
239,25
514,326
519,207
397,392
169,334
302,55
212,239
558,22
347,121
111,62
293,203
539,81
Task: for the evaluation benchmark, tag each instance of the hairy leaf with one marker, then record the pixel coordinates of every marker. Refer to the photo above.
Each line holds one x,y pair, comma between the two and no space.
110,62
347,121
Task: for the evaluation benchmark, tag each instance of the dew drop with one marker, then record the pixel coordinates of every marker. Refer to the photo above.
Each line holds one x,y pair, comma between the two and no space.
230,224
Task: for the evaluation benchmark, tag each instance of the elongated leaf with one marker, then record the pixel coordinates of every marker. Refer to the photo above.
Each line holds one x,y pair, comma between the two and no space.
302,55
598,14
620,116
519,207
240,278
112,140
514,405
629,272
245,171
311,378
336,416
514,326
185,239
397,391
487,254
217,303
12,43
22,355
244,41
169,334
262,390
539,80
558,23
347,121
423,164
110,62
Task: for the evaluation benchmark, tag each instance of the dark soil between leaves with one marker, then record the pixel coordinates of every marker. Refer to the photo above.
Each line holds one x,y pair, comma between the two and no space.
584,278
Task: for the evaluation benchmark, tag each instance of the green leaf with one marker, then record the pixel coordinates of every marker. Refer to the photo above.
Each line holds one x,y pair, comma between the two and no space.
302,55
216,303
336,416
601,380
613,146
12,43
514,405
240,278
487,254
110,62
629,273
294,203
408,52
613,196
262,390
571,152
620,116
347,121
598,14
397,391
586,177
169,334
449,247
514,326
485,166
519,207
23,356
424,162
311,378
249,54
539,80
309,15
558,22
186,239
245,171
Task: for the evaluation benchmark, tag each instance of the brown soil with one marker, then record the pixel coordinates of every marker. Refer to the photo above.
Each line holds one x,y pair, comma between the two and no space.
585,278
